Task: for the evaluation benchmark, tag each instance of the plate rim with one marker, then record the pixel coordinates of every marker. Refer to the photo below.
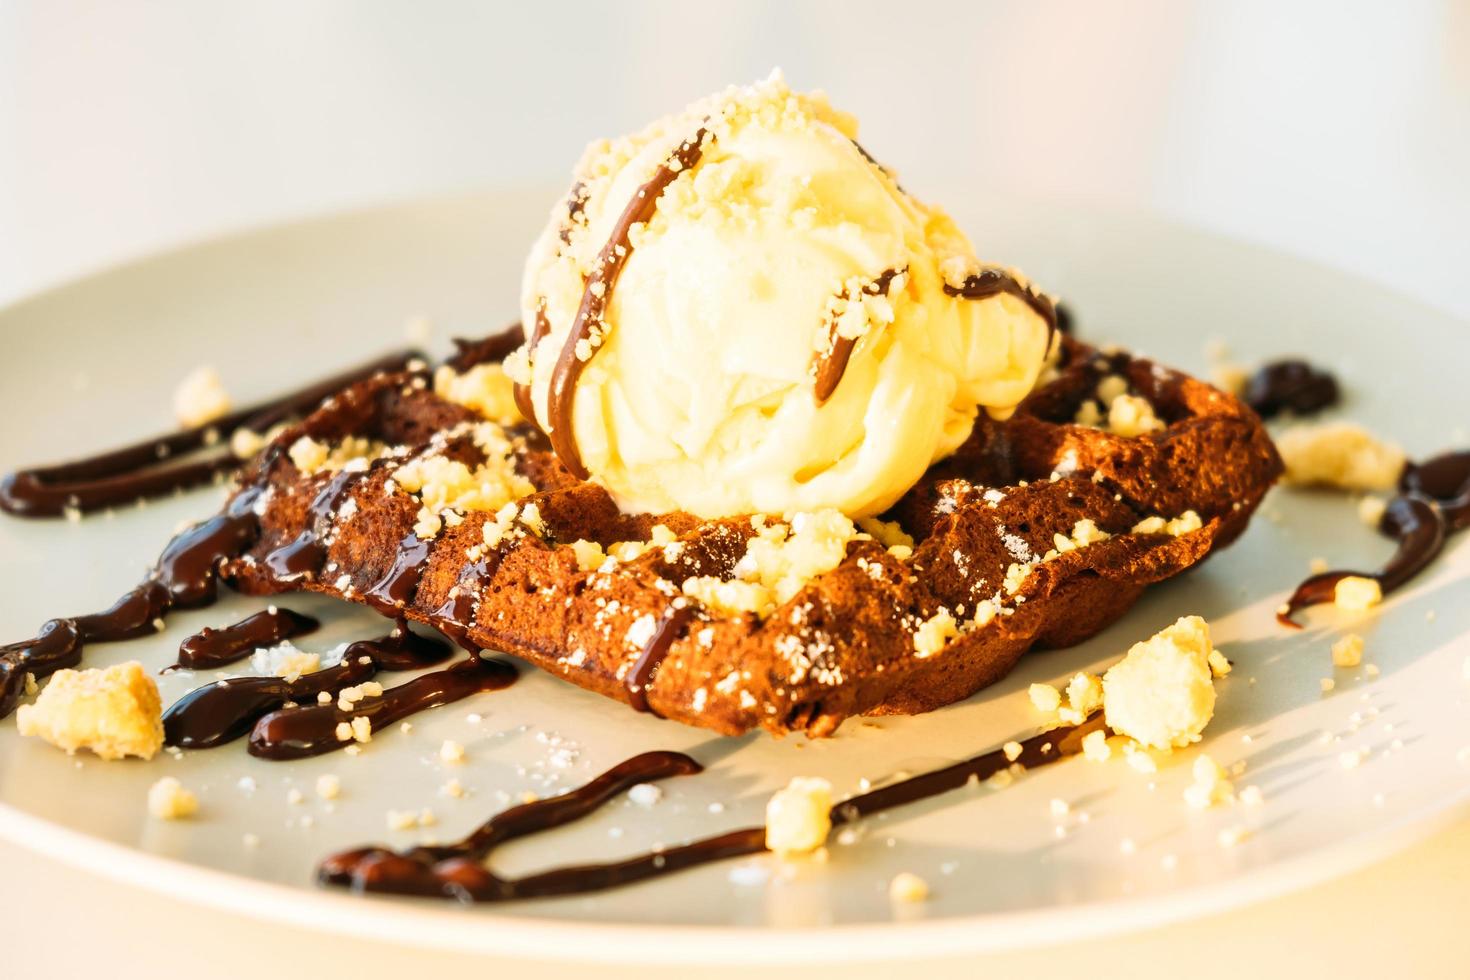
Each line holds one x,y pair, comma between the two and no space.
429,924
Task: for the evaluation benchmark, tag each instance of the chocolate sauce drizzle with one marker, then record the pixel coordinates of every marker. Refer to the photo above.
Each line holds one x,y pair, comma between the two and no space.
829,367
229,709
993,281
1433,502
1290,386
185,577
143,469
211,647
651,657
295,733
589,324
458,871
522,392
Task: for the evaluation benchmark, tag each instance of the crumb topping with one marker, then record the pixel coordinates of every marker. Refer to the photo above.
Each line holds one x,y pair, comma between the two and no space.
1340,454
114,712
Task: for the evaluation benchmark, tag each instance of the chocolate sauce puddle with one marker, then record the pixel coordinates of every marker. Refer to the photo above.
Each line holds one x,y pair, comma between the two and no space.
458,871
211,647
1433,502
142,470
828,368
295,733
186,577
1291,385
226,710
589,325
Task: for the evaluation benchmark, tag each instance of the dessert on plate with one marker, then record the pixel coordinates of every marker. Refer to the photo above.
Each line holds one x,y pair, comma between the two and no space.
771,448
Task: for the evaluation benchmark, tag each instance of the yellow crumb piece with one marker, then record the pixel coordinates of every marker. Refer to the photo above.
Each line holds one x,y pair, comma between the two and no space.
1339,454
1044,697
114,712
778,562
1011,750
168,800
484,388
932,635
1348,651
1095,746
890,534
1371,510
908,887
1211,785
1357,594
1162,692
589,555
328,787
1131,416
1184,524
1084,694
1219,664
362,729
200,398
798,817
451,752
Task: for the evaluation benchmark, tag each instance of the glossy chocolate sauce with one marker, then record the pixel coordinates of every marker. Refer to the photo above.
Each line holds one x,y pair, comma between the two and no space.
455,616
458,870
994,281
645,668
304,557
396,588
184,578
589,324
144,469
828,368
1290,386
226,710
212,647
1433,501
295,733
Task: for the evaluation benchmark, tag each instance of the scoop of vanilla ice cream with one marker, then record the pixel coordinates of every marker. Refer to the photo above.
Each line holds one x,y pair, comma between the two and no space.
778,246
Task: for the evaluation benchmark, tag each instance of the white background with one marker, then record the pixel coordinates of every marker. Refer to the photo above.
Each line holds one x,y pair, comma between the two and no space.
1340,131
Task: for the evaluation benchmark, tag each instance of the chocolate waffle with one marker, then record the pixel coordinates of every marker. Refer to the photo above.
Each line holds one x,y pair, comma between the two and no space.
1003,558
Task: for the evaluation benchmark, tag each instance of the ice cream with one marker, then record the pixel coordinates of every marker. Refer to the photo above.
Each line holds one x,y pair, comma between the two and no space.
737,310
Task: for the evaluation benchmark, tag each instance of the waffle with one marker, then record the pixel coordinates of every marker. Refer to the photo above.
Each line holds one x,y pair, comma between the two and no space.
996,566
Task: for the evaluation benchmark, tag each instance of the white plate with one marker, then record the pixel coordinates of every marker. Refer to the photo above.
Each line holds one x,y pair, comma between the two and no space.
94,364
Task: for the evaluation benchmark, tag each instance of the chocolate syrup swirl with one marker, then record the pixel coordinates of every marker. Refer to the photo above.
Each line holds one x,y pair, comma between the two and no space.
226,710
651,657
1433,502
993,281
143,469
458,870
295,733
589,324
212,647
828,368
184,578
1290,386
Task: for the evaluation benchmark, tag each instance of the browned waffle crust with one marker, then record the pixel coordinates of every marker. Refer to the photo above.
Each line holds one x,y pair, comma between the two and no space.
844,645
